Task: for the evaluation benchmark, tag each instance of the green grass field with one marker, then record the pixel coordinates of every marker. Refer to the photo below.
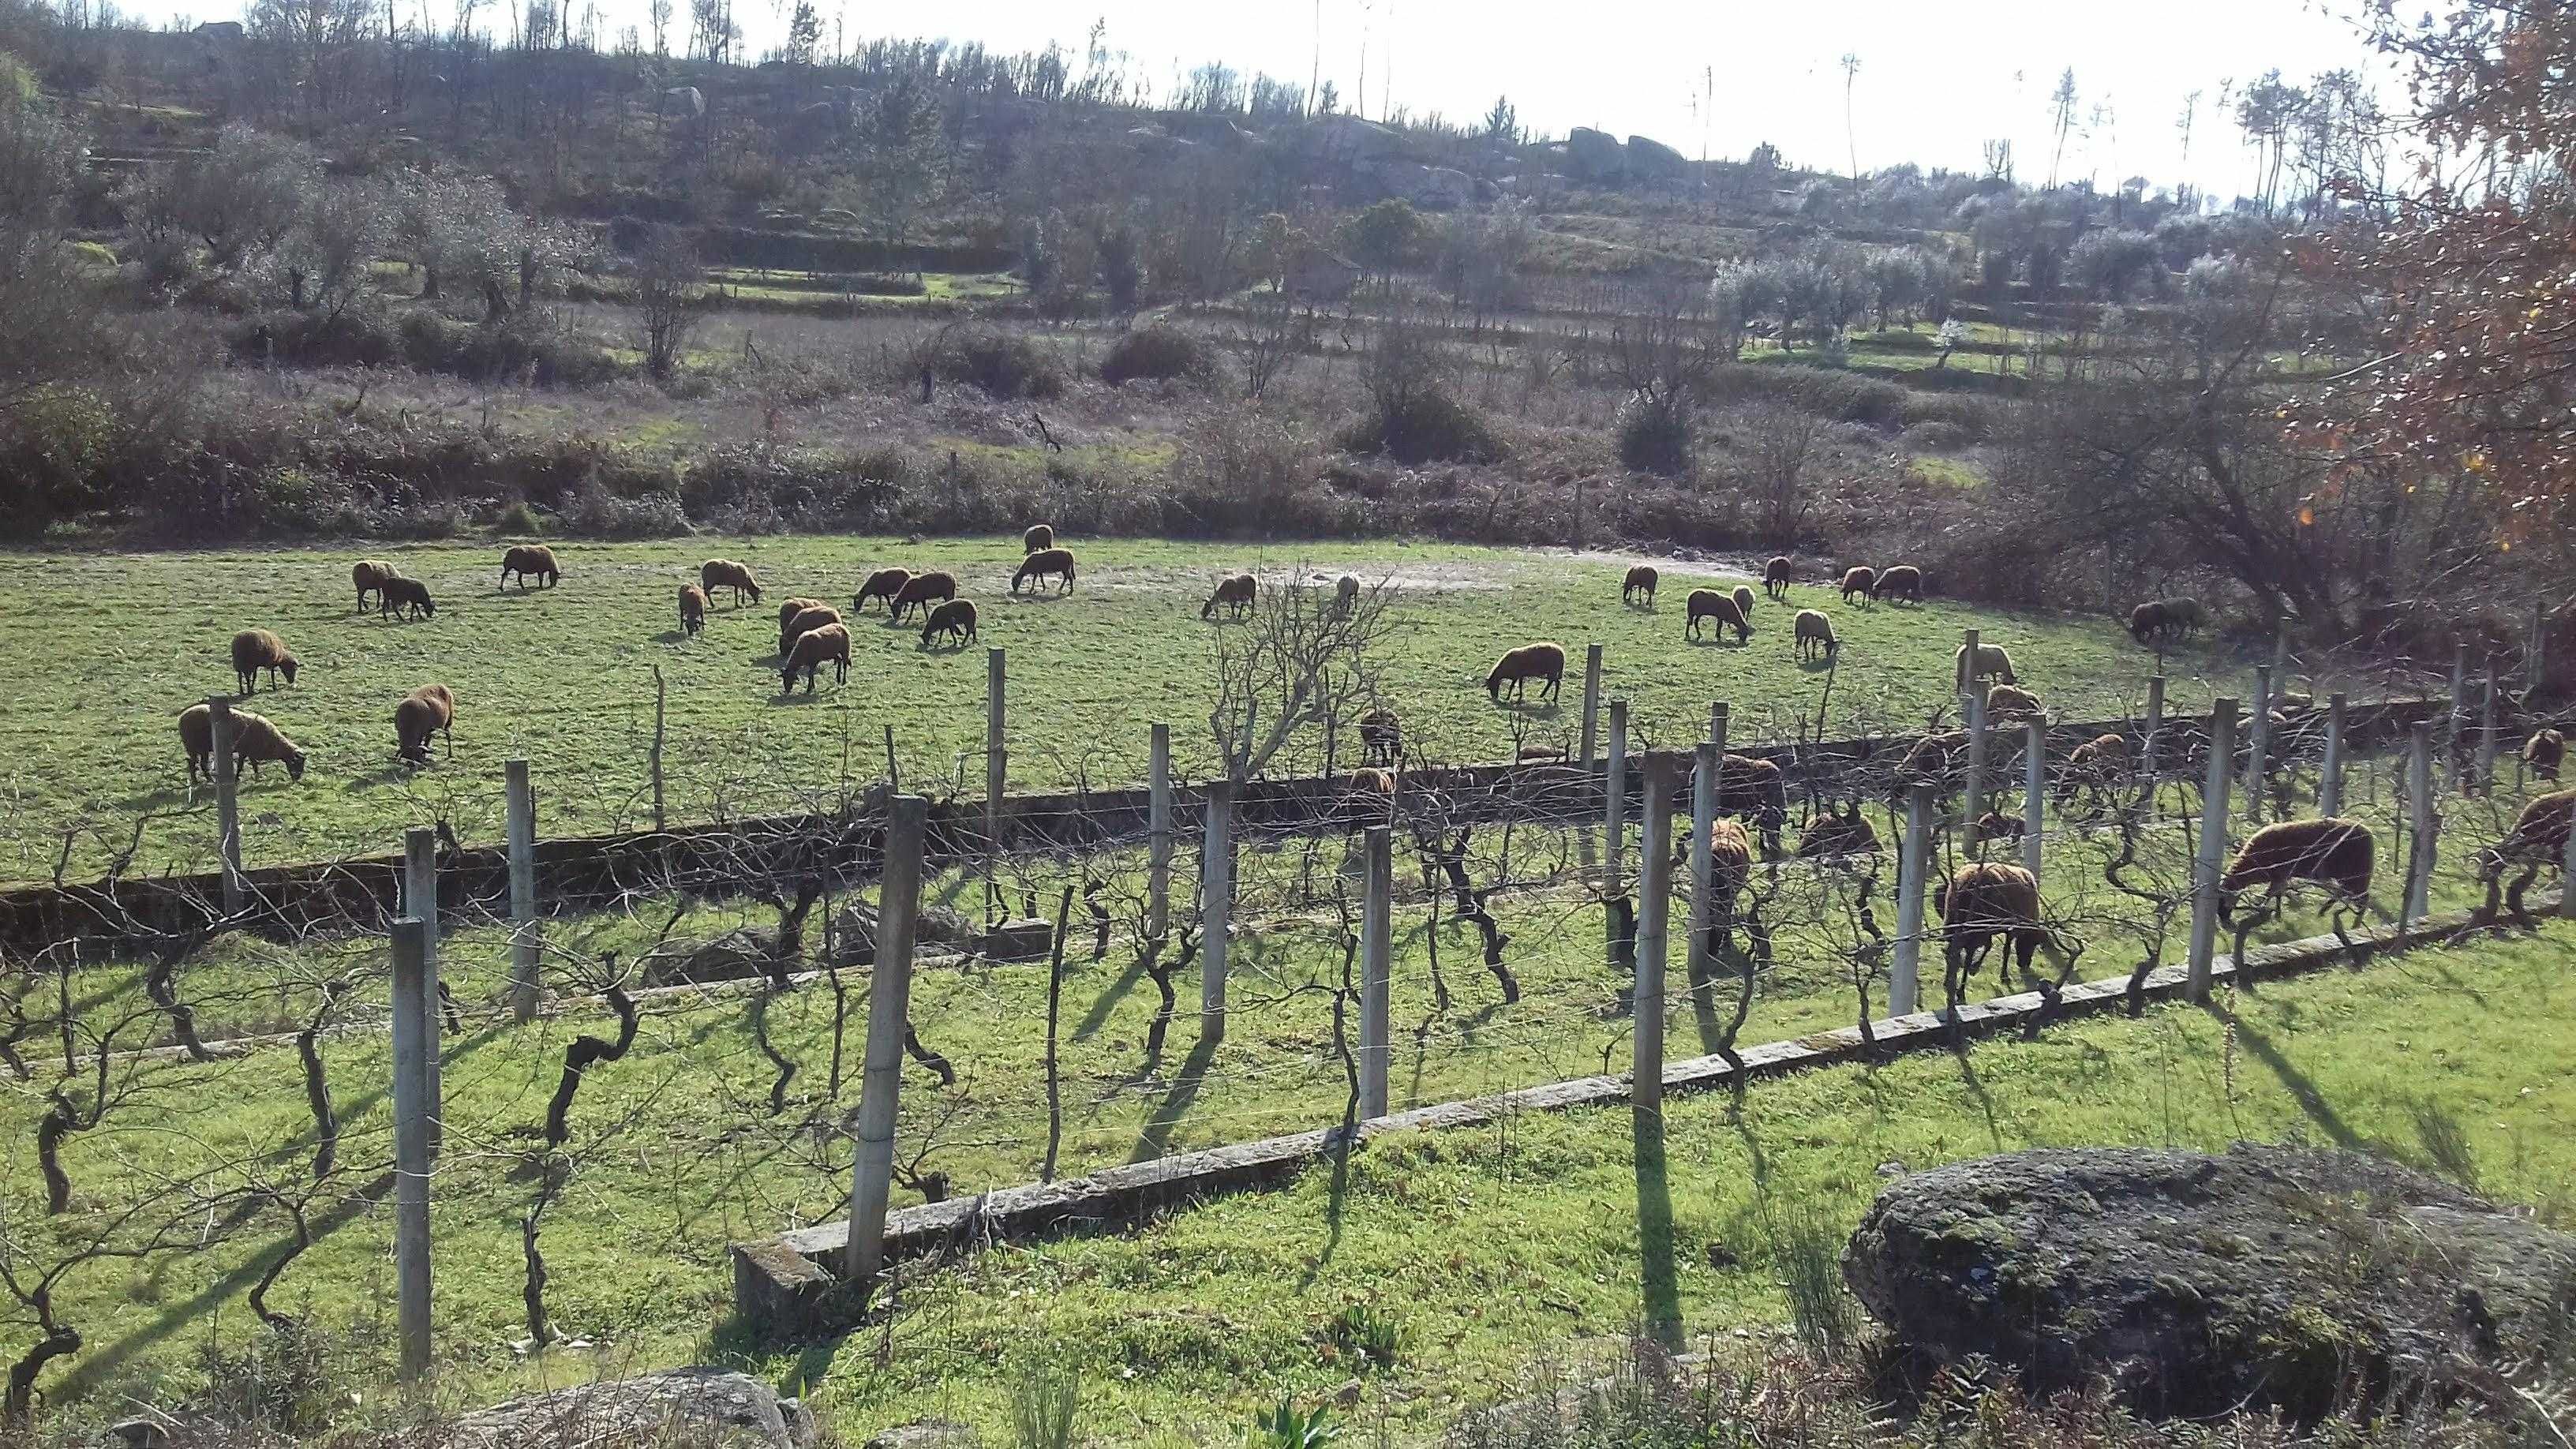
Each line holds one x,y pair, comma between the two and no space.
112,647
1491,1249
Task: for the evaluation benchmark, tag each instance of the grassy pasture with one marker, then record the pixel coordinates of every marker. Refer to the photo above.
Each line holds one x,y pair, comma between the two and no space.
107,649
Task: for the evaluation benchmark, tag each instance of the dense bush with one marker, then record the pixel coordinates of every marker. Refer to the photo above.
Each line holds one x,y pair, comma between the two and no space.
1003,364
1250,471
1426,426
524,347
1654,435
1156,352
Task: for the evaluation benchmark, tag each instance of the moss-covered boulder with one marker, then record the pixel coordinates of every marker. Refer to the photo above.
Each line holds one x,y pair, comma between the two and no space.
2266,1277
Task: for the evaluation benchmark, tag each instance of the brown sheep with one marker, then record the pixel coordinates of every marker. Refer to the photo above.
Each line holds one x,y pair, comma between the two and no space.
255,741
2336,853
1755,790
258,649
369,574
1346,594
831,644
724,573
428,710
1370,780
1816,635
1839,835
922,590
882,584
2537,842
2011,704
956,619
2147,622
1743,597
1710,604
1381,736
693,609
1996,826
530,560
788,610
2543,753
1992,660
1236,593
1519,666
1899,581
411,596
1039,538
1860,581
1980,903
805,622
1641,579
2097,765
1045,564
1775,576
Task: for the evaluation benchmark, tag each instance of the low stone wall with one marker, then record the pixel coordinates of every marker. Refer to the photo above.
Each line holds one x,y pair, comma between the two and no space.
787,1287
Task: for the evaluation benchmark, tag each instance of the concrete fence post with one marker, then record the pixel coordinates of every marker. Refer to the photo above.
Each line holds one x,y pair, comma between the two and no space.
2567,879
1904,977
2419,817
1158,834
1377,945
2259,734
219,712
1655,889
415,1033
420,902
1216,906
1614,806
1965,677
2210,860
2330,774
524,930
2147,739
1705,765
2034,794
2531,664
2487,729
889,1012
2455,743
996,751
1591,704
1972,794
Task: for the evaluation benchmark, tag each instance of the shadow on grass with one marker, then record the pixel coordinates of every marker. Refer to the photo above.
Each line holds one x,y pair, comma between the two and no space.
1658,1277
1156,1140
2301,1087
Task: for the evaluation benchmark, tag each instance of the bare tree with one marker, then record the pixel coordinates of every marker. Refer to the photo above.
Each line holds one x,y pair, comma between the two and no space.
669,296
1301,660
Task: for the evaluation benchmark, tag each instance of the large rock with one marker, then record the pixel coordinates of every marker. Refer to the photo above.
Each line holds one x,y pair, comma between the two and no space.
2268,1277
697,1406
1650,157
1595,155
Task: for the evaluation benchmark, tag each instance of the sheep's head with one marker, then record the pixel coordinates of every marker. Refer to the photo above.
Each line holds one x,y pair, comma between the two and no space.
294,760
287,667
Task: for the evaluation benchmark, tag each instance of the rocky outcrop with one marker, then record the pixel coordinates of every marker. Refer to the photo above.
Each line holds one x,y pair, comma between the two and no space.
700,1406
2265,1277
1595,155
1653,160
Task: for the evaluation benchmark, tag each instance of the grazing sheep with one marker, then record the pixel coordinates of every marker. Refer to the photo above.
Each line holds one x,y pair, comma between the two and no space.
693,609
1816,635
255,741
922,590
2543,753
1978,904
2538,841
2182,615
1743,597
428,710
1641,579
1519,666
1757,791
2147,622
1730,868
1992,660
411,596
1860,581
724,573
1775,576
1039,538
883,584
258,649
956,619
2009,704
2097,765
805,622
1381,736
1710,604
369,574
2336,853
1899,581
1045,564
788,610
1839,835
831,643
530,560
1370,780
1994,825
1236,593
1346,594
